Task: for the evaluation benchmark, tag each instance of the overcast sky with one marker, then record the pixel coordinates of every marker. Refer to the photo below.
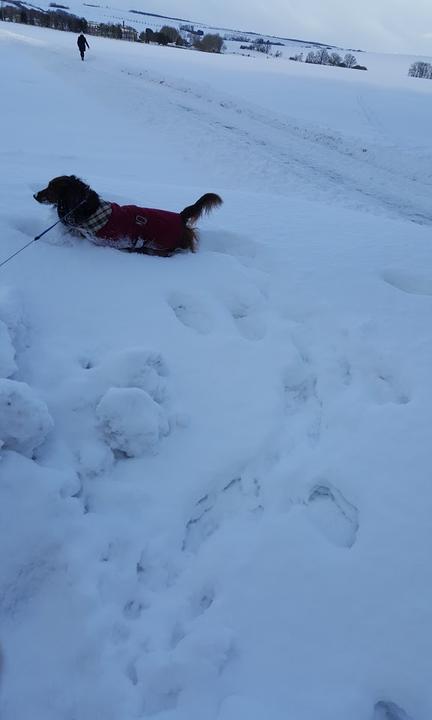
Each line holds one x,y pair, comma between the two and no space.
386,25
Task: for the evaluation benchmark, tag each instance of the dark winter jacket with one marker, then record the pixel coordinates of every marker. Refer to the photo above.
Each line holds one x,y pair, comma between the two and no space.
82,43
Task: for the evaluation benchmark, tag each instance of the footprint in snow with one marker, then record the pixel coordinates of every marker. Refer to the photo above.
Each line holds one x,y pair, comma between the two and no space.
133,609
202,525
200,602
332,514
379,382
86,362
245,306
303,401
386,389
368,368
214,508
155,572
191,313
249,323
411,283
385,710
298,391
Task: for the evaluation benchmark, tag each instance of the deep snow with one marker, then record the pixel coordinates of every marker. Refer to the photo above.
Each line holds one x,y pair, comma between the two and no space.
219,506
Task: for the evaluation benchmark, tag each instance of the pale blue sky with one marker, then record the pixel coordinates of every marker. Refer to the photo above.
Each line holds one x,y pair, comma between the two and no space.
387,25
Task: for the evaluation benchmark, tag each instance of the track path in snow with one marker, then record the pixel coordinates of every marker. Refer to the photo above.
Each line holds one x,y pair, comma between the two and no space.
376,176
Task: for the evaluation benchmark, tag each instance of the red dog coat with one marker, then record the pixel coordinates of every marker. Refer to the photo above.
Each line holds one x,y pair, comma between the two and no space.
132,227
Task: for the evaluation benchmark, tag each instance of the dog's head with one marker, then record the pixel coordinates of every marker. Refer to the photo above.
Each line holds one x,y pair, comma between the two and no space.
71,196
56,189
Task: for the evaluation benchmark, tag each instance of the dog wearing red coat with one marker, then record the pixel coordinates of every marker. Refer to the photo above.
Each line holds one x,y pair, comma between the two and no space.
126,227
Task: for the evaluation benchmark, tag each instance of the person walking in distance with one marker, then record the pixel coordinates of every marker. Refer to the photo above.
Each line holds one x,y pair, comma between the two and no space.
82,44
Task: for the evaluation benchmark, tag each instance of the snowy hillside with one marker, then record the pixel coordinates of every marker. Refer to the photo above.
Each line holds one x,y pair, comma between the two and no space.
134,15
215,485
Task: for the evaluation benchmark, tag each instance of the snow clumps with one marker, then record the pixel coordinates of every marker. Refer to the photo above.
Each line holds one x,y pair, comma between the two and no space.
24,419
131,421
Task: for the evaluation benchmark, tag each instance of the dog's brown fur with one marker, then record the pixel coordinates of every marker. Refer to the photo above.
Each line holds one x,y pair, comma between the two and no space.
76,202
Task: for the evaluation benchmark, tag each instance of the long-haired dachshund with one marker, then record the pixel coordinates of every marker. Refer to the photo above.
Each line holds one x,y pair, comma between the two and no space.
126,227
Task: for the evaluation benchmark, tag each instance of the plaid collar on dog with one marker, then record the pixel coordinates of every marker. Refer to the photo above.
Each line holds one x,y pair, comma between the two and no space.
97,221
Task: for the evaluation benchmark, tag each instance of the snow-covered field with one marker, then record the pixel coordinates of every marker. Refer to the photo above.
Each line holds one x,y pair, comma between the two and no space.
215,479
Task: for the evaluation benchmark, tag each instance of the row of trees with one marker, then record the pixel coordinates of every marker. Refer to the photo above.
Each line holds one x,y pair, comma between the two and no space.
262,46
58,18
163,37
212,42
115,32
323,57
421,70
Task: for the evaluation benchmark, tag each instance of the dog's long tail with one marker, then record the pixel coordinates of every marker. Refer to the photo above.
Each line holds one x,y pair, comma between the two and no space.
205,204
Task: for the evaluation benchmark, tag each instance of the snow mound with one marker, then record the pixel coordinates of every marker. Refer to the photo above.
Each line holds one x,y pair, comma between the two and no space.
7,352
131,421
136,367
24,419
12,314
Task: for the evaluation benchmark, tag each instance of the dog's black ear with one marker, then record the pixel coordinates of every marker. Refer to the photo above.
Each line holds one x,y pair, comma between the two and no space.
71,195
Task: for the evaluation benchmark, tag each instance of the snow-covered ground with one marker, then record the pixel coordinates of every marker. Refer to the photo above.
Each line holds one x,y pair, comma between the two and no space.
215,479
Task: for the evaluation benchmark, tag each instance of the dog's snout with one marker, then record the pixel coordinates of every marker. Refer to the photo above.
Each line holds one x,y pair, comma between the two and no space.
40,196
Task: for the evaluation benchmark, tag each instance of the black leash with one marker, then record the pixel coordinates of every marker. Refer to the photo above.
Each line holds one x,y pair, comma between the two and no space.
18,252
42,233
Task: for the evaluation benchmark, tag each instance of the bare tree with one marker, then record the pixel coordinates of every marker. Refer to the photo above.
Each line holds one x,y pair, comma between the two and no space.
170,32
421,70
319,57
160,38
322,56
209,43
261,45
350,60
334,59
